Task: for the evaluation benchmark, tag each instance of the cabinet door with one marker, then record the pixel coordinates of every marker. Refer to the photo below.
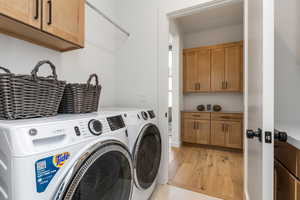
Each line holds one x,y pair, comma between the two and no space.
64,19
190,72
203,70
218,69
233,68
26,11
218,134
234,134
285,187
188,133
202,131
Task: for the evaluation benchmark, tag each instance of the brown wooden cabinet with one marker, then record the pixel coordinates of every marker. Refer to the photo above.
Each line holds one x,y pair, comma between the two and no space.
218,129
196,130
218,70
58,25
188,131
286,185
26,11
202,130
214,68
64,19
197,70
218,133
234,134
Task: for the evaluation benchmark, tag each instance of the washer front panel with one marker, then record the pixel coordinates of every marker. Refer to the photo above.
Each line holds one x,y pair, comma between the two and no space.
147,156
106,175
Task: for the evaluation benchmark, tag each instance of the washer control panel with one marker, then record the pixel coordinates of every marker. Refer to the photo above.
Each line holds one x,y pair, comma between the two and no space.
145,115
95,126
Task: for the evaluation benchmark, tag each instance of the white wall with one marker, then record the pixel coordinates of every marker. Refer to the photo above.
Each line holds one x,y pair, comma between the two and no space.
137,71
229,101
287,60
99,55
214,36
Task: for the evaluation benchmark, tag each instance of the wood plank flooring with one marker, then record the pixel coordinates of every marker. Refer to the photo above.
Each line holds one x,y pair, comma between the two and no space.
214,172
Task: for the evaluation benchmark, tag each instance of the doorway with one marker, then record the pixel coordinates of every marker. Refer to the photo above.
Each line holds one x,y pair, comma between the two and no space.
199,158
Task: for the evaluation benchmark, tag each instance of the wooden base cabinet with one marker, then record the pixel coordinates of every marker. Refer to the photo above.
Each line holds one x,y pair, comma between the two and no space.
286,186
196,131
202,128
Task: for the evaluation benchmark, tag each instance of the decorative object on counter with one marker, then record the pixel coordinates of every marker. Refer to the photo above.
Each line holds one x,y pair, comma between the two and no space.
30,96
81,98
208,107
217,108
201,108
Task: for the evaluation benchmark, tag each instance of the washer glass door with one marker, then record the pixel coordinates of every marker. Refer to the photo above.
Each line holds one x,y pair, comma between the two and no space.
106,175
147,156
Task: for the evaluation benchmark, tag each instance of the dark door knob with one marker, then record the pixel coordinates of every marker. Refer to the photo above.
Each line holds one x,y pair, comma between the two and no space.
251,134
280,135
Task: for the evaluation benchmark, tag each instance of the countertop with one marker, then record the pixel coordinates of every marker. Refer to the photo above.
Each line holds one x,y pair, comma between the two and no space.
225,111
293,131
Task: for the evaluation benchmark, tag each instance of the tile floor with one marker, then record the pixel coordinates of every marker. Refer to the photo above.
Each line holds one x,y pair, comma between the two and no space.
168,192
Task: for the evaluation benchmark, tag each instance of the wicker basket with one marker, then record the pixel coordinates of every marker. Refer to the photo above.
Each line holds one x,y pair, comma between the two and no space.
81,98
30,96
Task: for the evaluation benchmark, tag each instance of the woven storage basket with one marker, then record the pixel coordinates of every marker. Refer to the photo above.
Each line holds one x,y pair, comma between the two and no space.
30,96
81,98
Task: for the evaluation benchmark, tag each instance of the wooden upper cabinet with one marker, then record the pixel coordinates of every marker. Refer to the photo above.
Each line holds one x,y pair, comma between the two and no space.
234,134
25,11
218,70
64,18
203,70
197,70
55,24
233,68
190,72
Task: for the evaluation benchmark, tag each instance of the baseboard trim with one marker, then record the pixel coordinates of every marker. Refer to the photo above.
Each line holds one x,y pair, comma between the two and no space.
176,144
246,196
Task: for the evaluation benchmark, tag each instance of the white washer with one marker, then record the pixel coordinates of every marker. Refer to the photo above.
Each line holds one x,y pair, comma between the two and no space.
67,157
146,148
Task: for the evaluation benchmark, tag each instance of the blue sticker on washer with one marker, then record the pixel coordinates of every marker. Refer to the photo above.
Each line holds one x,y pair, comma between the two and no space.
46,168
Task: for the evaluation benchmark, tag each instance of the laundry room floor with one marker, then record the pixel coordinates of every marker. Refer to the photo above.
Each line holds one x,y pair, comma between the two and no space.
168,192
210,171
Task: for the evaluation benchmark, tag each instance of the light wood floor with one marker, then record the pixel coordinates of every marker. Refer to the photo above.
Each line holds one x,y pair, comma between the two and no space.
213,172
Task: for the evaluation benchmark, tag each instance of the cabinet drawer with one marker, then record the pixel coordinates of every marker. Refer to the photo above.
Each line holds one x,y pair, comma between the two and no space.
226,116
288,156
197,115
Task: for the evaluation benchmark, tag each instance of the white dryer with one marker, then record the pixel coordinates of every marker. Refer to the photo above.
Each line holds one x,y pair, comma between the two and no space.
146,148
68,157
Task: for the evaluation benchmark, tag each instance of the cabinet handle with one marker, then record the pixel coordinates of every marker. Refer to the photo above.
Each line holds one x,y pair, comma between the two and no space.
50,12
37,9
223,84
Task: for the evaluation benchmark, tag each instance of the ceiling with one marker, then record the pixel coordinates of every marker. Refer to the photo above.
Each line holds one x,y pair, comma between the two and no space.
225,15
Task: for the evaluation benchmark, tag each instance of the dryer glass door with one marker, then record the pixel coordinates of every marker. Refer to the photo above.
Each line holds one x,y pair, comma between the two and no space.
147,156
106,175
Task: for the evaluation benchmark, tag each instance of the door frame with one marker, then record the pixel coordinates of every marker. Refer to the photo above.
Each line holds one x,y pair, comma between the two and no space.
164,20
